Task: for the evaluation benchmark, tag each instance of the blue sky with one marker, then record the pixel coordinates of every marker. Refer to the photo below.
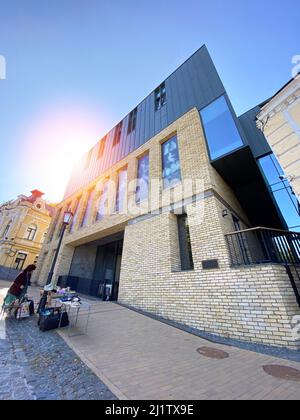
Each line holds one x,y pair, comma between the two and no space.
75,68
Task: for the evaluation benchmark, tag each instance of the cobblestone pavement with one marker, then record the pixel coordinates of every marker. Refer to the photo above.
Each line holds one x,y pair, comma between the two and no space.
41,366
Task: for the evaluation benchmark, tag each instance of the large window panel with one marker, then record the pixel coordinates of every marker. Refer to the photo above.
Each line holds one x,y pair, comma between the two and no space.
171,163
281,190
142,188
220,129
88,208
121,191
103,203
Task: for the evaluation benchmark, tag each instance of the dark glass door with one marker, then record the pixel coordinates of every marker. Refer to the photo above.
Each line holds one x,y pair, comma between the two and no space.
107,271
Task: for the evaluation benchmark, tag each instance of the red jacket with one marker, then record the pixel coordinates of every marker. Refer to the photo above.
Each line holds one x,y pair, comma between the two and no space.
22,280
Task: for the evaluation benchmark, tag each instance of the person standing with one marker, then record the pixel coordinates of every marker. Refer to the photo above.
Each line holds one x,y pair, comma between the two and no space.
19,287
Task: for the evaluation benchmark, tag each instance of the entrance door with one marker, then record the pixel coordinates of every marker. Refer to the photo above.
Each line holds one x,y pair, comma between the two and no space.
107,271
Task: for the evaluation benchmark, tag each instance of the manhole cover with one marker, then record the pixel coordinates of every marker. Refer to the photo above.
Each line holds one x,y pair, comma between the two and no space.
212,353
283,372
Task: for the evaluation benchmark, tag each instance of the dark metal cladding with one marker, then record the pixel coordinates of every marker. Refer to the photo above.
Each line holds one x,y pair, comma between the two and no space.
254,136
194,84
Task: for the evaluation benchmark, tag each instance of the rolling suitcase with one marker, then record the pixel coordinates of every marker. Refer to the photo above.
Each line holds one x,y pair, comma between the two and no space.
53,318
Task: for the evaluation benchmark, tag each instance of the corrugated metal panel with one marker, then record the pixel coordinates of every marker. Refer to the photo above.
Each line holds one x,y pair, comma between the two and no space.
194,84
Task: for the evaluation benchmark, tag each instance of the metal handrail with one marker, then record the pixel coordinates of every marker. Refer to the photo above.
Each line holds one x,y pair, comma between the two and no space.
261,228
263,245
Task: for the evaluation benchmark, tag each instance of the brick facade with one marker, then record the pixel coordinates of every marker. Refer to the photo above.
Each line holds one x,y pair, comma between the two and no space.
250,303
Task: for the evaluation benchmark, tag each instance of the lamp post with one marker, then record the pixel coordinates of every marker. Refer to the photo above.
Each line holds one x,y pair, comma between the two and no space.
68,215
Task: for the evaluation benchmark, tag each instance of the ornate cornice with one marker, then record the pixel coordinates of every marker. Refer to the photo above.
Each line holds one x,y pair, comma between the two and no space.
280,102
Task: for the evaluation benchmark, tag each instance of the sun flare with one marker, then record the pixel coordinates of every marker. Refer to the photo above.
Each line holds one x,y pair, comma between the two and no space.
55,142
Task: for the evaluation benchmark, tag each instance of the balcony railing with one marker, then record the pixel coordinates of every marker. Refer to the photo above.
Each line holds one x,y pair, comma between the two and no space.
262,246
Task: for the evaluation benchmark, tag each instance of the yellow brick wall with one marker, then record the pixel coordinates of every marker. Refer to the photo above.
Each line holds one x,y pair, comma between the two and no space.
254,304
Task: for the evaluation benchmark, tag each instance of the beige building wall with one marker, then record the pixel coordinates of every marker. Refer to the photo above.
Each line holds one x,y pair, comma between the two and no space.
250,303
280,122
23,227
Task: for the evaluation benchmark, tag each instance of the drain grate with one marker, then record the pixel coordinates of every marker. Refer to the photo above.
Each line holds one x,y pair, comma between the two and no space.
283,372
213,353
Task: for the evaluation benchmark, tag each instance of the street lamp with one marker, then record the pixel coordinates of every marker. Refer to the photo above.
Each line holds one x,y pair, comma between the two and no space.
68,215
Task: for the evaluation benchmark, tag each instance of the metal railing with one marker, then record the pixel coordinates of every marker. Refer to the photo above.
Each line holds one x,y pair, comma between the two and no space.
262,245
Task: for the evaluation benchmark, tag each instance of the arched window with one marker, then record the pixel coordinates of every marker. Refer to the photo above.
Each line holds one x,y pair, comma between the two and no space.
31,232
6,230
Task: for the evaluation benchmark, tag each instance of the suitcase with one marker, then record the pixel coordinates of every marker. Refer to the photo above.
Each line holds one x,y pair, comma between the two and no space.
53,318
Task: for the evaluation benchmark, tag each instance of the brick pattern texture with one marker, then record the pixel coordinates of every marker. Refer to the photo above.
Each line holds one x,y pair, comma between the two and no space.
253,304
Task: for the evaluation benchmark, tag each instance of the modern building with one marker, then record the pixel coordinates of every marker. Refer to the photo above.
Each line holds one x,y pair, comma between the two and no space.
279,120
175,215
24,223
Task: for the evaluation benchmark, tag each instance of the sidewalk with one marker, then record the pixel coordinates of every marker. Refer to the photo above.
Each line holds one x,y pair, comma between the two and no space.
140,358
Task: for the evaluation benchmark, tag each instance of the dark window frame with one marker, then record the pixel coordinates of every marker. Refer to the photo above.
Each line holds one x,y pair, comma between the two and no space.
101,148
19,262
117,134
160,96
138,199
132,121
31,233
119,204
175,181
185,245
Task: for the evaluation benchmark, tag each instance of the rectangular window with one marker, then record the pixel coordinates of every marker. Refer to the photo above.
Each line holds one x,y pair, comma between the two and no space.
103,203
61,219
171,163
186,255
20,261
31,232
160,96
142,188
220,129
101,148
281,191
88,208
132,121
117,134
54,224
75,216
121,191
88,159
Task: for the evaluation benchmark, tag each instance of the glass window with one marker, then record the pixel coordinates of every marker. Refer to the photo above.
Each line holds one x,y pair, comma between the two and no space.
102,147
6,230
20,261
142,188
186,254
281,190
54,223
117,133
221,131
103,203
160,97
132,121
121,191
75,216
31,232
88,208
171,163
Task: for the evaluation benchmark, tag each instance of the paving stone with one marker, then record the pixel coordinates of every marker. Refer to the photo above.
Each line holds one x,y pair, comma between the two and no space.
41,366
